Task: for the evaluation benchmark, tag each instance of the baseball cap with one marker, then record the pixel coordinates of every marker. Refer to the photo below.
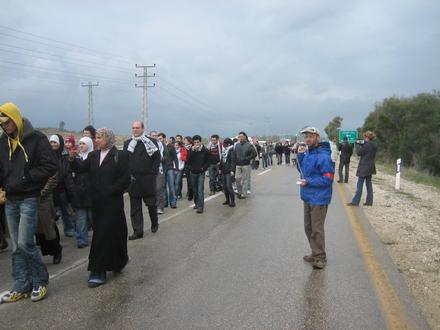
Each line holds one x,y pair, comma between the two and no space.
311,130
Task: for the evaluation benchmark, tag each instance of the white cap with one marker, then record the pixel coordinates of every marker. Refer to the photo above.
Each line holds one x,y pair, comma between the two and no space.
311,130
54,138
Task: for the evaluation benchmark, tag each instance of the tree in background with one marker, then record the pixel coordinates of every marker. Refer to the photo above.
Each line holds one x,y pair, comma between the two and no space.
409,128
62,125
332,129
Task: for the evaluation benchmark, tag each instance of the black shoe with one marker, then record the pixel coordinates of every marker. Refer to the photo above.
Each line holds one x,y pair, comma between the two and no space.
367,204
173,206
199,211
135,237
82,246
352,204
232,204
195,207
57,258
190,199
155,228
339,181
241,196
225,203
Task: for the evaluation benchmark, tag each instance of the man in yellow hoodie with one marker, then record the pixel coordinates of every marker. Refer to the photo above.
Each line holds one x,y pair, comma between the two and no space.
26,163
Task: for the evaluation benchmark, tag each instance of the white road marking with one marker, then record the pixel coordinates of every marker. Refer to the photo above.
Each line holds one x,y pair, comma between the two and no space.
264,172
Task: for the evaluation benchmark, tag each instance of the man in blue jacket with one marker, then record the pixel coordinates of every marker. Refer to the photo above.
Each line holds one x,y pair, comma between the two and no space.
317,173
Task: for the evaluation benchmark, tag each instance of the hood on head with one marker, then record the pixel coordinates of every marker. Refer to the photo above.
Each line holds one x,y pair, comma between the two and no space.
11,111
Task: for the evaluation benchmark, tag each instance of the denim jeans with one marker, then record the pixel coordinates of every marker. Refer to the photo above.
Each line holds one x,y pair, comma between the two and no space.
178,183
198,183
213,173
83,218
62,202
360,184
28,269
171,195
265,160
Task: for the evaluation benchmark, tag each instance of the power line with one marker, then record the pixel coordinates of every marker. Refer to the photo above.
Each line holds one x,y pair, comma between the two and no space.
94,51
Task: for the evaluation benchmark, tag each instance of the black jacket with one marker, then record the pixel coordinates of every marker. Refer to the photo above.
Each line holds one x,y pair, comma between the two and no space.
346,150
109,179
143,169
230,163
169,159
244,153
367,163
22,179
214,153
80,191
198,160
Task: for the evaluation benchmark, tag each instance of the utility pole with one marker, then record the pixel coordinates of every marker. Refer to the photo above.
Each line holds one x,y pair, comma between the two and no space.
90,86
145,86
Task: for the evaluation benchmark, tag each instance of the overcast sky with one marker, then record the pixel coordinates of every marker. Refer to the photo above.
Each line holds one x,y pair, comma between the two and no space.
266,67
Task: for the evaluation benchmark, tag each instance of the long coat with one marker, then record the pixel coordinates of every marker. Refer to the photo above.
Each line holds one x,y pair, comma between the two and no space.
143,171
108,183
367,163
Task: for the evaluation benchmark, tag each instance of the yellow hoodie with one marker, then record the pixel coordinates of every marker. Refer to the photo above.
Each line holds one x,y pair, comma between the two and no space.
12,112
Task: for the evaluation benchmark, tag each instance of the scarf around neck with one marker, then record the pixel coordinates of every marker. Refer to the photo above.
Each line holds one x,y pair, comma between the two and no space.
149,145
225,153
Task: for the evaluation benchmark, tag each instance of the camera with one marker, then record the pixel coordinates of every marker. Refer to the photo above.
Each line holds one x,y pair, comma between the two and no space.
360,142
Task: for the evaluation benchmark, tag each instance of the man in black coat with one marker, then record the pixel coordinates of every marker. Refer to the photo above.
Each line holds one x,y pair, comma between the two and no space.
346,150
26,163
144,161
367,150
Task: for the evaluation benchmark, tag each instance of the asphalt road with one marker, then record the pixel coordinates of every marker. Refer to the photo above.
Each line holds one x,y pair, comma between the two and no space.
228,268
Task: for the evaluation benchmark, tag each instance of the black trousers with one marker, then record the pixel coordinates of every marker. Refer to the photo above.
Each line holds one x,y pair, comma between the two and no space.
347,170
227,188
137,217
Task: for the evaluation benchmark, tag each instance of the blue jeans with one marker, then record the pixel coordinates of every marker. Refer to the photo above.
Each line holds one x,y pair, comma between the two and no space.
178,183
62,202
198,183
360,184
171,195
265,160
213,173
28,269
83,219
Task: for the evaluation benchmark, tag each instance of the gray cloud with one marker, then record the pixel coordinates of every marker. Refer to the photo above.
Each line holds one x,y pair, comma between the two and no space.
222,66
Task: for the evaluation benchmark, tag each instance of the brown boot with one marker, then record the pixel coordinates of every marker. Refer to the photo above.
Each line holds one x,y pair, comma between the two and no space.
308,258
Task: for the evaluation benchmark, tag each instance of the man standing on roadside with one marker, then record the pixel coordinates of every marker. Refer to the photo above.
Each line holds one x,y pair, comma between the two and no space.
215,151
26,163
346,150
144,159
198,160
244,153
317,173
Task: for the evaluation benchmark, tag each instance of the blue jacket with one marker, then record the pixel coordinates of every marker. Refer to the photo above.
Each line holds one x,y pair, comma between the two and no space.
318,170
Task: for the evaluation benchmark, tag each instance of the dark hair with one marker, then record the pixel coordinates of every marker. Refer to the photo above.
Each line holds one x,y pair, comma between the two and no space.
234,140
172,139
179,143
189,138
215,136
162,135
244,135
178,135
197,137
139,121
91,129
227,142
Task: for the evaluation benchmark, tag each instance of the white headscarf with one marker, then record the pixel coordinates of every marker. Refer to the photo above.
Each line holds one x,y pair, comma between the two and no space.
54,138
87,141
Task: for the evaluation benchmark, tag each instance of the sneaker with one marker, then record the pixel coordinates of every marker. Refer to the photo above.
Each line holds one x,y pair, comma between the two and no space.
319,264
13,296
308,258
199,211
159,211
249,192
39,293
97,279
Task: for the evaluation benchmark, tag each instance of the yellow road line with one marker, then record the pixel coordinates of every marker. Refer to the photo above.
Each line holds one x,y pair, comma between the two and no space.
392,307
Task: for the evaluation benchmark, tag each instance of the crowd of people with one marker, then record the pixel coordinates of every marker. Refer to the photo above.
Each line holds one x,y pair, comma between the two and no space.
46,178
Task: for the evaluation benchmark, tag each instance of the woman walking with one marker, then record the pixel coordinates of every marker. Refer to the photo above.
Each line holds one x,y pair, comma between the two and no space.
109,178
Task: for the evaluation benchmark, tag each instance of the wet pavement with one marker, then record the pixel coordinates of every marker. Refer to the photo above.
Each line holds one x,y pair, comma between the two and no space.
227,268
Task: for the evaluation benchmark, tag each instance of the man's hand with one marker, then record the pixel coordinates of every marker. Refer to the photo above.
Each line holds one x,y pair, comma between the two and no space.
302,148
232,173
303,182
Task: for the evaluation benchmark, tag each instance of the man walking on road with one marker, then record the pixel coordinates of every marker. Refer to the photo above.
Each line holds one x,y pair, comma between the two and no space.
317,173
244,153
144,160
367,150
26,163
198,160
346,150
215,151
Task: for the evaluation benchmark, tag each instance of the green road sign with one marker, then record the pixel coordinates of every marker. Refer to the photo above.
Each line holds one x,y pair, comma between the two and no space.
352,136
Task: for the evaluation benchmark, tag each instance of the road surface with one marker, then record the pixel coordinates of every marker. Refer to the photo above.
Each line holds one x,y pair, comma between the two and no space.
231,268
